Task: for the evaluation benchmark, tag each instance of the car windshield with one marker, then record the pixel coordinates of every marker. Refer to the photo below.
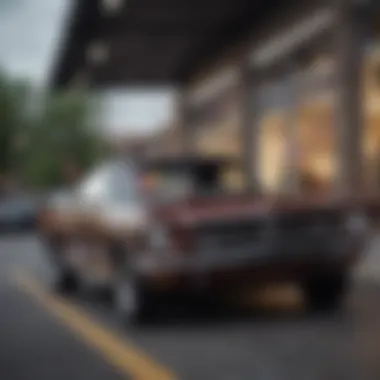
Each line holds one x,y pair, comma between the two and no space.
110,183
170,184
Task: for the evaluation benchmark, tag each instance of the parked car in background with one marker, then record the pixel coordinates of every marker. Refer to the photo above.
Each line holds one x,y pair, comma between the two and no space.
18,213
150,229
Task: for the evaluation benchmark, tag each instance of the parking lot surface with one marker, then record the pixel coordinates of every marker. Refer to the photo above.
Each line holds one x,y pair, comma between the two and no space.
44,336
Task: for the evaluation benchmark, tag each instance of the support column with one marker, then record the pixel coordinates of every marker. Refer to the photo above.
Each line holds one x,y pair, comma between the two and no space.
250,128
349,119
291,180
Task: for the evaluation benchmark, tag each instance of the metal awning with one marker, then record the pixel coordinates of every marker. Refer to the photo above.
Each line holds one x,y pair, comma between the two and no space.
155,42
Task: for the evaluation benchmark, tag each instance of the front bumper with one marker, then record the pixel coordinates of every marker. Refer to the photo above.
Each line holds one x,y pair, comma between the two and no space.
259,263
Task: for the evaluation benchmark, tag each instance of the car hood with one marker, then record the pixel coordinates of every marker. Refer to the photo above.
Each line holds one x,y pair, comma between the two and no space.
229,207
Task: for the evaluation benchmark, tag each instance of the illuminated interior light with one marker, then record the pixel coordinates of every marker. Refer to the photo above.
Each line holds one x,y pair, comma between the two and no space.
213,86
372,105
290,39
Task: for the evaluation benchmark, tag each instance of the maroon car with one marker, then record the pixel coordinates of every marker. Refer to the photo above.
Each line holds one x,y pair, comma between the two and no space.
147,230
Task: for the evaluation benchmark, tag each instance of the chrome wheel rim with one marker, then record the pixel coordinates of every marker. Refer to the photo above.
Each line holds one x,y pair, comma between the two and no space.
126,298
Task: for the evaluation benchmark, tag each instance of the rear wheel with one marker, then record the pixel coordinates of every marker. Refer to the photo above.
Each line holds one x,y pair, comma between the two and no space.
325,293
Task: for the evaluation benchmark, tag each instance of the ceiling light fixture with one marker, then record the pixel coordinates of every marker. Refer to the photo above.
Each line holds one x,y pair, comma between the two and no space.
288,40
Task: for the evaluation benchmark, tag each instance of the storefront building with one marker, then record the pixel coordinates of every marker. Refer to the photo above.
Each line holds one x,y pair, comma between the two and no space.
313,104
296,100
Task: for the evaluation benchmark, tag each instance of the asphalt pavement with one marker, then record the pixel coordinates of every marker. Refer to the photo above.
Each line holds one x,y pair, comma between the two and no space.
43,336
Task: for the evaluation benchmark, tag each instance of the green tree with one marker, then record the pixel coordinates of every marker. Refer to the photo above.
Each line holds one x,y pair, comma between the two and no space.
41,135
14,116
64,133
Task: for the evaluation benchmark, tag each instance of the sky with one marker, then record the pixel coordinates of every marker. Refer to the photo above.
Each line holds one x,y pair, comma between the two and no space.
30,31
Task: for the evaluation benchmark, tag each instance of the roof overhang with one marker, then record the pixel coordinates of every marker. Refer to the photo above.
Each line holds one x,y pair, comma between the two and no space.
154,42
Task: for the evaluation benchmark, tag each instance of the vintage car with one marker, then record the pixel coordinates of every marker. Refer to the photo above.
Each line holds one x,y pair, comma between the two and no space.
153,228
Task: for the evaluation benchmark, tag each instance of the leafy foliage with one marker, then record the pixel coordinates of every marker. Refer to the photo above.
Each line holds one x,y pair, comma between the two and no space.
14,107
42,134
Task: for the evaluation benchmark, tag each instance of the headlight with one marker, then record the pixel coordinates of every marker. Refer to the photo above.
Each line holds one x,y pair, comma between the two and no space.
357,224
124,218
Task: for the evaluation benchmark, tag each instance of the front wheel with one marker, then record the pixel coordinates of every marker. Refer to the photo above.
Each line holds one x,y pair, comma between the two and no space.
325,293
133,300
67,282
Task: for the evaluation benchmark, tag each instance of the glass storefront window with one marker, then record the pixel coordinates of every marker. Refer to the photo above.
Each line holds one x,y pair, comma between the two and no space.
218,133
294,110
298,139
316,123
371,103
273,99
271,151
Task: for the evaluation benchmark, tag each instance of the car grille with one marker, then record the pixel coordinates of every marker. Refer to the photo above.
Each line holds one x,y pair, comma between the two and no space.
223,237
295,231
308,222
307,231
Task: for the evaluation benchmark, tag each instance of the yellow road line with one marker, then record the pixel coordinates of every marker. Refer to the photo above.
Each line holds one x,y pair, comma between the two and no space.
126,358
